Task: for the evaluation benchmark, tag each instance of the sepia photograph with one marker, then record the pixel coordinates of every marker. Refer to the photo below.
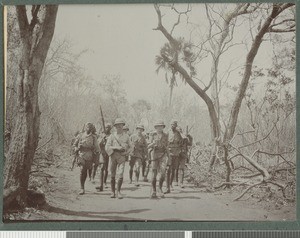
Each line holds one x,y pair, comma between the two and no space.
150,112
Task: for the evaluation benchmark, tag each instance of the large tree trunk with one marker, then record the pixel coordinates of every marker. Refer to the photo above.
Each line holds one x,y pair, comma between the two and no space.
277,9
25,134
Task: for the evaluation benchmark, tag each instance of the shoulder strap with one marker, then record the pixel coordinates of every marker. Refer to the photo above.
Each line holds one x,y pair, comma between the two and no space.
117,139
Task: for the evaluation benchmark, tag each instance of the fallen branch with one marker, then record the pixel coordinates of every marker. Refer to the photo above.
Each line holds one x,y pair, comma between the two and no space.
230,183
59,164
282,188
41,174
264,172
246,190
44,144
270,171
243,167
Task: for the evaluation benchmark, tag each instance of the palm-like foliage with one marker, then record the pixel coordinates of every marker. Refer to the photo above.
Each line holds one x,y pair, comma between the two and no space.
183,53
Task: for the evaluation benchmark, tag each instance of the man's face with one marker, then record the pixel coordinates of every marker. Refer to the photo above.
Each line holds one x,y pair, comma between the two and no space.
88,128
107,129
173,126
119,127
159,128
139,130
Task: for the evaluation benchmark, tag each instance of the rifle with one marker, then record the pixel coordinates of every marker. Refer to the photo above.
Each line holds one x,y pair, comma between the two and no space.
102,118
187,147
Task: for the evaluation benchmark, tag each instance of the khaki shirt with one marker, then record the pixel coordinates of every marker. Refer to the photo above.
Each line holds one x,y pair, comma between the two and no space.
87,145
117,140
159,144
175,142
139,146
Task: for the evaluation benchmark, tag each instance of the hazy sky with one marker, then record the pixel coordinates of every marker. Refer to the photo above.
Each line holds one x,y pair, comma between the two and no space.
120,40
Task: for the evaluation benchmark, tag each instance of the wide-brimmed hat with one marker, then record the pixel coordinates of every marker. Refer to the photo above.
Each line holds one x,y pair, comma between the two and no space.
119,121
159,123
140,126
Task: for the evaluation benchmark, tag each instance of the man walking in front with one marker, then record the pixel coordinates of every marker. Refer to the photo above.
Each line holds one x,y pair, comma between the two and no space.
159,155
117,147
174,146
138,152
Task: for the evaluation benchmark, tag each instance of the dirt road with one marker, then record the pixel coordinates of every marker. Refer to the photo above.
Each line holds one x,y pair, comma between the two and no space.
189,203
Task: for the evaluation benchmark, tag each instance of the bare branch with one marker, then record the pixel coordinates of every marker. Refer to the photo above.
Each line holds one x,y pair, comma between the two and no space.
261,139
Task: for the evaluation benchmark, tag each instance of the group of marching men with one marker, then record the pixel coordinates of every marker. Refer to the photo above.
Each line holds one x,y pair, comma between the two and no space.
165,153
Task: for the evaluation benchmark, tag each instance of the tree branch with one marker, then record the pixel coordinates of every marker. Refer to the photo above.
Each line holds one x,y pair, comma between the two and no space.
23,21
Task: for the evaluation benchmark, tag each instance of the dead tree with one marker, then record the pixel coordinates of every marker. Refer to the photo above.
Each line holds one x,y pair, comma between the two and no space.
36,37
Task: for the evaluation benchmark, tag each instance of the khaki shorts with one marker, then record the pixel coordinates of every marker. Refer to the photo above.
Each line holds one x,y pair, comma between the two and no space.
160,164
117,167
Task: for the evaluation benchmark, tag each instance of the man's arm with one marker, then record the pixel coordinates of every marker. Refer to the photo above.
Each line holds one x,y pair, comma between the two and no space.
108,147
96,145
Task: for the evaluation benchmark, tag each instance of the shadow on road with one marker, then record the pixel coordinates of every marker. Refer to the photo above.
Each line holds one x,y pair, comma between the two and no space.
97,215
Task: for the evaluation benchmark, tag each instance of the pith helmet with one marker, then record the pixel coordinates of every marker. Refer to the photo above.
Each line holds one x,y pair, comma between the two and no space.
119,121
174,122
140,126
126,128
159,123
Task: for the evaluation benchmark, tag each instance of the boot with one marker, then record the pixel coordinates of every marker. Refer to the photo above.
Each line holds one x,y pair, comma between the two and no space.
168,181
181,176
176,177
119,194
146,174
113,187
90,174
172,177
100,188
143,168
130,175
83,175
153,193
105,172
94,171
160,185
137,174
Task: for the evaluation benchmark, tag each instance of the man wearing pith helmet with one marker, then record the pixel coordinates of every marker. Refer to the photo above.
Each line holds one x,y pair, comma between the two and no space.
138,152
117,147
159,154
175,141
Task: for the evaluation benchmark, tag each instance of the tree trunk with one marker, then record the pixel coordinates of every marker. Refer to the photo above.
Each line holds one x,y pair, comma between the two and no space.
25,134
277,9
